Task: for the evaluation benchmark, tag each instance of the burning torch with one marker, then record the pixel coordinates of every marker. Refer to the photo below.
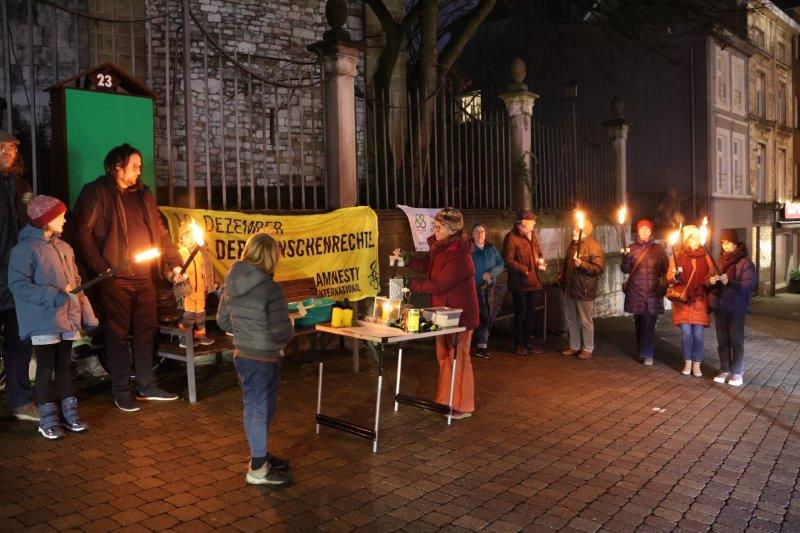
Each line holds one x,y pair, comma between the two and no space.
199,241
704,232
147,255
622,214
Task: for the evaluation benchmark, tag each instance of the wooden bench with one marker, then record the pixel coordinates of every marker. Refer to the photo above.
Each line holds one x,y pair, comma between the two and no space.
296,290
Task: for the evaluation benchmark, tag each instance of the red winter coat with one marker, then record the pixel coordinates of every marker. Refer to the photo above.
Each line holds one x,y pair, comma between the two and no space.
451,277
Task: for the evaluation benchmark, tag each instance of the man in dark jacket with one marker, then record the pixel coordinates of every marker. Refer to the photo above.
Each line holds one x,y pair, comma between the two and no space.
115,218
523,259
13,217
583,266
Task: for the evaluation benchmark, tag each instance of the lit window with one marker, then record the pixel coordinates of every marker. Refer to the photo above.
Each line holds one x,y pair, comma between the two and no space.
471,106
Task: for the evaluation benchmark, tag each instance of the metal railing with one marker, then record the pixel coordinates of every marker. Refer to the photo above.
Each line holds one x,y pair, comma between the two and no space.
571,167
464,162
256,139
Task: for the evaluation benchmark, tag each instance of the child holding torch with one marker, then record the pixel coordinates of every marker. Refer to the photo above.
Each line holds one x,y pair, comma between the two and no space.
202,279
41,274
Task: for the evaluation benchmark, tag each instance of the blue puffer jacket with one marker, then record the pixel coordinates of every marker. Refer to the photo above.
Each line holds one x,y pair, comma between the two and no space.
735,296
487,259
39,272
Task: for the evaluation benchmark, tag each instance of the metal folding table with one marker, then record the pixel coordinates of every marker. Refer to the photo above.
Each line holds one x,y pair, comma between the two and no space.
383,336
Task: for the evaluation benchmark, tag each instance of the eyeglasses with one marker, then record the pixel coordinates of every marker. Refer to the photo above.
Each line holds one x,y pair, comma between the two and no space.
9,149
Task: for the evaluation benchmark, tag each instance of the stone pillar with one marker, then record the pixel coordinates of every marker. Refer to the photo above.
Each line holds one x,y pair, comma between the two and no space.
617,129
519,104
339,56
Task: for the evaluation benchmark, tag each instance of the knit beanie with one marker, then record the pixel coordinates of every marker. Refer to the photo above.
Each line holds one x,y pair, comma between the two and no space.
44,209
729,235
644,223
450,218
690,231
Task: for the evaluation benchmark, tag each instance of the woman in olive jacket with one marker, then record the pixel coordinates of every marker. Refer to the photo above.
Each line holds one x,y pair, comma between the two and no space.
584,263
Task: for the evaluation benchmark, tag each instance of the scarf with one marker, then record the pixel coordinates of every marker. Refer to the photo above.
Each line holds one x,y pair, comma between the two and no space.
728,260
695,289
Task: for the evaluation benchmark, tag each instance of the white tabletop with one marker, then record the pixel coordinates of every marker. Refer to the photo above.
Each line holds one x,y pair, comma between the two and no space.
372,332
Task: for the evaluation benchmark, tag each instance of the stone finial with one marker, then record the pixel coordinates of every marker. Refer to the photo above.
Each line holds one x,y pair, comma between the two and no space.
518,71
336,12
617,107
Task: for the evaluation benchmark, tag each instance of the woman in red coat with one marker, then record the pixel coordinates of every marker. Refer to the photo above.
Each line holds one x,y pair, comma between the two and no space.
694,269
450,280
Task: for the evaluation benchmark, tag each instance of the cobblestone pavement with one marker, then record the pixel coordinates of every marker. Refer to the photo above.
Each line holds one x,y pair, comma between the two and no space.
556,443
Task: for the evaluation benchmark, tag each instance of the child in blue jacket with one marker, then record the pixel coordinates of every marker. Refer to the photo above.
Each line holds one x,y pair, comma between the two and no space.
41,274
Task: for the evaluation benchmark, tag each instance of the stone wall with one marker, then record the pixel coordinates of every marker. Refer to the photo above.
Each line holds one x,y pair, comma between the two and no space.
274,118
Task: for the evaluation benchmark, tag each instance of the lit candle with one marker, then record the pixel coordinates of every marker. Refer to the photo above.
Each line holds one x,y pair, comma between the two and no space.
581,218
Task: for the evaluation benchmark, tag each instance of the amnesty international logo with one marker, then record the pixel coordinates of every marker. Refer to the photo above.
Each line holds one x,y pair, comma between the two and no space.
420,221
374,277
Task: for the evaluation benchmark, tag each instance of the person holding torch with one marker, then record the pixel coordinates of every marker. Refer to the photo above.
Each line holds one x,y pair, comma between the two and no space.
115,218
585,262
202,279
645,262
689,275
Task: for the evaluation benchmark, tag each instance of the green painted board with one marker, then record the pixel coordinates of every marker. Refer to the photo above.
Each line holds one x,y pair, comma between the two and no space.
96,122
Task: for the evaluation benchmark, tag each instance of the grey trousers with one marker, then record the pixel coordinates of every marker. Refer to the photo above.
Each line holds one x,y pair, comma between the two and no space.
580,323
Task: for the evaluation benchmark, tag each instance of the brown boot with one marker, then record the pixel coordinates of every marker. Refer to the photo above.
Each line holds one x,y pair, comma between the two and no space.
534,350
570,352
585,355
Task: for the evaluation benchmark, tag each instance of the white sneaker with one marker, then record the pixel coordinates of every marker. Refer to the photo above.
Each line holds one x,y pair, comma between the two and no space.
696,372
721,377
687,368
735,381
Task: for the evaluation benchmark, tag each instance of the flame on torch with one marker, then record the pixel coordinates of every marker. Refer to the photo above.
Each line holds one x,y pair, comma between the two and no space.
580,217
704,231
622,214
197,233
673,237
147,255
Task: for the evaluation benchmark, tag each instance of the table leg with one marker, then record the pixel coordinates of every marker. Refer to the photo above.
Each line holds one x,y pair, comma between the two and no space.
378,401
453,379
399,368
319,388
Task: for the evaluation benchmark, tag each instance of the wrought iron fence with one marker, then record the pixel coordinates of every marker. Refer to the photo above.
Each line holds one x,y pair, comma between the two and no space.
256,138
463,160
571,167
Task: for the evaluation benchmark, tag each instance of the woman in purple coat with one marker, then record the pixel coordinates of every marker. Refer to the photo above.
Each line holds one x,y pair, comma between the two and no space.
645,262
730,300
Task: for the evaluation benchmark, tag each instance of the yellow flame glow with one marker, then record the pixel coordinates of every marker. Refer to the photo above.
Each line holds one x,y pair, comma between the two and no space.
197,233
704,231
147,255
580,217
622,214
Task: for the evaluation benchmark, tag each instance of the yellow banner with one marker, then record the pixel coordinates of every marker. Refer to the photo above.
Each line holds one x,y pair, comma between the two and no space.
339,249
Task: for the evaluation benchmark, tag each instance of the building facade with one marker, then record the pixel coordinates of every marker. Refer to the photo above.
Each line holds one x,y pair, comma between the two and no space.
772,130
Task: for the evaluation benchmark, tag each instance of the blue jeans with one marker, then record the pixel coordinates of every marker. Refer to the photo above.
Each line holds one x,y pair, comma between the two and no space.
259,382
730,341
692,342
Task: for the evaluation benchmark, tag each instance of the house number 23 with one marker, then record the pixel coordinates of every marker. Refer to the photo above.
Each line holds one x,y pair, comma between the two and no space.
104,80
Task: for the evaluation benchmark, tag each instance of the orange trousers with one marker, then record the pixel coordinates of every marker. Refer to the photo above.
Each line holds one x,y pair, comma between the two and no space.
464,388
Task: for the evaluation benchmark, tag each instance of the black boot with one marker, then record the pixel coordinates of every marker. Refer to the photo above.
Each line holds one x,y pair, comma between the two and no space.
48,422
69,413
